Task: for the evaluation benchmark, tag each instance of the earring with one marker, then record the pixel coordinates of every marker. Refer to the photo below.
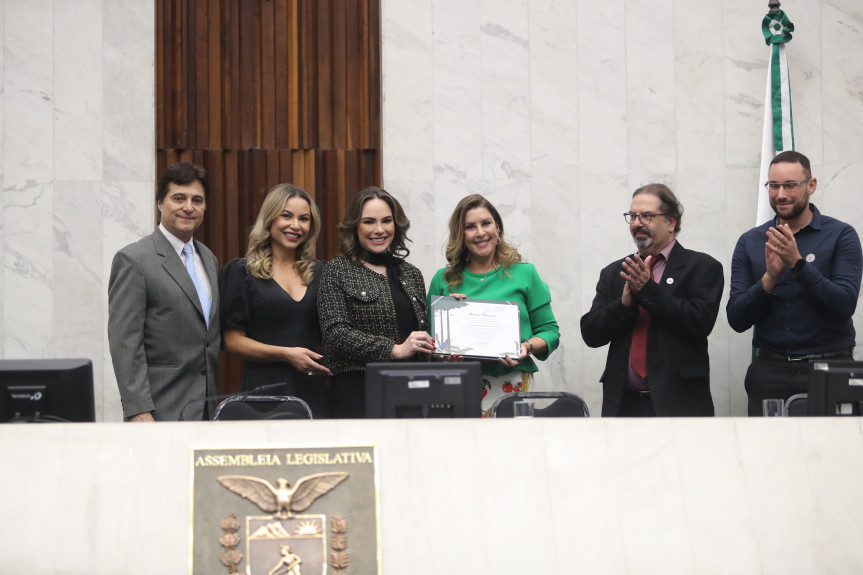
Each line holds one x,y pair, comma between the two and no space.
498,238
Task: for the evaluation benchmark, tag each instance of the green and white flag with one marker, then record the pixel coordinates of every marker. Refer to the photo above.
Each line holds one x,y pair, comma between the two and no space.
778,133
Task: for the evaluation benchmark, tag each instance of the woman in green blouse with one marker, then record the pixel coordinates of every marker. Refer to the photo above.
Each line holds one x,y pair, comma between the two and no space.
482,265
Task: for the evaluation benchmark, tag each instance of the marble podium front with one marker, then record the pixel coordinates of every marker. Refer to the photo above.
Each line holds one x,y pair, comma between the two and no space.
538,496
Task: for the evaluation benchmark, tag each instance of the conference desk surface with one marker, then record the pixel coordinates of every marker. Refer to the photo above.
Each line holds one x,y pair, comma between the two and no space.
725,495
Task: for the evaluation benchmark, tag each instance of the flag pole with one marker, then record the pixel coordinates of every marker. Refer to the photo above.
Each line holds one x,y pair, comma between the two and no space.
778,130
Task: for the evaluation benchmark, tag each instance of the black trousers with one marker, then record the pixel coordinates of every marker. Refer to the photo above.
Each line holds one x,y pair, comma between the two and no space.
348,395
775,378
633,404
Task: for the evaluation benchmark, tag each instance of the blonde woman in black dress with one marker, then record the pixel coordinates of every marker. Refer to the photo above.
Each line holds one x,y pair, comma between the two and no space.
269,301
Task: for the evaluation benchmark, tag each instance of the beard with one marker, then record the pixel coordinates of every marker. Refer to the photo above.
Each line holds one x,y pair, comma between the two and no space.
796,210
642,243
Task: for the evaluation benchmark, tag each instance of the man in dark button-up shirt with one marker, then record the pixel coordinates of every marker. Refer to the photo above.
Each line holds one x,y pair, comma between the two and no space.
795,278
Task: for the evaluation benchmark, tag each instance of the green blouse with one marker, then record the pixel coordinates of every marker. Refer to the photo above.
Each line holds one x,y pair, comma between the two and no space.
522,285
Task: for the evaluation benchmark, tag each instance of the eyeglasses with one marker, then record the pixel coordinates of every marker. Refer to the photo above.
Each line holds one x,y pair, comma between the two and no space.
644,218
789,186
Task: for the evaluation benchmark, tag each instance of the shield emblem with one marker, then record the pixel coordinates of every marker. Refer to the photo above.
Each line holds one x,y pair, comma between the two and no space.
292,546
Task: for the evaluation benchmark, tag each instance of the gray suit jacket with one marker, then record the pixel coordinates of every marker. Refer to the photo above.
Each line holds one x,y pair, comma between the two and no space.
163,353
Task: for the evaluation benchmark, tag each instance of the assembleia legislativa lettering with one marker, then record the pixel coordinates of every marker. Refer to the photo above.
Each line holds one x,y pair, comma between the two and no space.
274,459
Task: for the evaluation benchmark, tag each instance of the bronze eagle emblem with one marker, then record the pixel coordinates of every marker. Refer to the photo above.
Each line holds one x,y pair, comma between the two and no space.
284,499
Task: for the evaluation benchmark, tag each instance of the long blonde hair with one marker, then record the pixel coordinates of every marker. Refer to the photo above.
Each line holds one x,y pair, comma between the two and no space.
457,253
259,256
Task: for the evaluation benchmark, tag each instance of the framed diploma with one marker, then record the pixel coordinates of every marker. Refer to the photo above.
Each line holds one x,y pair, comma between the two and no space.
475,328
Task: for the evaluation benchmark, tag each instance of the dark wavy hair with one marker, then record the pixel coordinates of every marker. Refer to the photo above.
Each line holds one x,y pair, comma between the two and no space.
668,202
350,244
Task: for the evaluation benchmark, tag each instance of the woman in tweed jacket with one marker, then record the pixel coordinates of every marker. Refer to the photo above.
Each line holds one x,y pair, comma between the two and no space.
371,302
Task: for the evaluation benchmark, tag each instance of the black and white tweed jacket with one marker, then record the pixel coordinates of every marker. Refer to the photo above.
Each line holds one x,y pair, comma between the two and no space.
358,316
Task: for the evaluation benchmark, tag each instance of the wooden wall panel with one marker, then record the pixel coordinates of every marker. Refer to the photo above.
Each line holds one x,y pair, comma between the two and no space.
352,51
262,92
267,102
339,75
215,73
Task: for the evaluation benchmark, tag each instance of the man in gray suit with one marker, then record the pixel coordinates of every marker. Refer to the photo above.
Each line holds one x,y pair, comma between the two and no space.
163,305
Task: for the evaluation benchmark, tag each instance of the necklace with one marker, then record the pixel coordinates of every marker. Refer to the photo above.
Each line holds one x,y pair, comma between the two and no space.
285,262
489,271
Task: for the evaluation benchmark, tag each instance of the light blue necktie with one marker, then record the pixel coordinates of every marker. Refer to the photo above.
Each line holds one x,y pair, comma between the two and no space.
202,293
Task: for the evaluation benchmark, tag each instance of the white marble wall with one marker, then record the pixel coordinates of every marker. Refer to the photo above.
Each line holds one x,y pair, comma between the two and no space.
77,157
557,110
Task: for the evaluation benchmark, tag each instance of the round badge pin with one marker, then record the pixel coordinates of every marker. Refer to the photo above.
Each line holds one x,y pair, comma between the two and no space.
810,258
669,281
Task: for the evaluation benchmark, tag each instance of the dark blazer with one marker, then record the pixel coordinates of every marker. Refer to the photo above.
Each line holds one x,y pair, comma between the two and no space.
358,316
163,353
683,306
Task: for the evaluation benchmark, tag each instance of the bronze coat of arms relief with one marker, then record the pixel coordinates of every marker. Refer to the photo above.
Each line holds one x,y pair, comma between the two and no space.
285,511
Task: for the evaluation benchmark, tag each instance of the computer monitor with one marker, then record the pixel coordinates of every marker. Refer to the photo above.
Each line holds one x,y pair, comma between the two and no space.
46,390
423,389
835,387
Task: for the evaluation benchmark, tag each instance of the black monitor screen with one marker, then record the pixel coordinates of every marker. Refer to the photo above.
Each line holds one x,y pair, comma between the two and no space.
423,390
835,387
43,390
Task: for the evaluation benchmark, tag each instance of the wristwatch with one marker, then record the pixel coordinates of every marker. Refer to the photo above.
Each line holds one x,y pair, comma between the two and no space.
798,266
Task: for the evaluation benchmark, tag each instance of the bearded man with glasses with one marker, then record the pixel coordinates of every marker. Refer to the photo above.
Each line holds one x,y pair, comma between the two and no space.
796,278
655,308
